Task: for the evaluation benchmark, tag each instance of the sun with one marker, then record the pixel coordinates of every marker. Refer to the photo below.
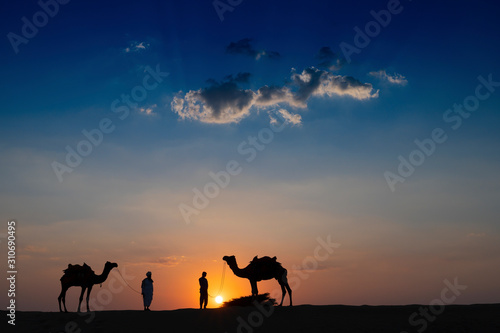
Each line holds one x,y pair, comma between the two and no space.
218,299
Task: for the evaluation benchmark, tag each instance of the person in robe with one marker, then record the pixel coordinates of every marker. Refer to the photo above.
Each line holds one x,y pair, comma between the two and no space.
147,291
203,290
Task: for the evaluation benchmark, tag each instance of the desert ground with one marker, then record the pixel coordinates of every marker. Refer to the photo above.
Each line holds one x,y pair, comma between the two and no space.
480,318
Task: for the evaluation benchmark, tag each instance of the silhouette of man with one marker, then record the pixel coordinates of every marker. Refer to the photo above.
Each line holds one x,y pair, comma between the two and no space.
203,290
147,291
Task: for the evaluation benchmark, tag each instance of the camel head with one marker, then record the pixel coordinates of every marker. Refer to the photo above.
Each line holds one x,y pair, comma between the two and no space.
110,265
231,260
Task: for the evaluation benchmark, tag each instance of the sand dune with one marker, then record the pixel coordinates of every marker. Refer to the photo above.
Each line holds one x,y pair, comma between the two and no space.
481,318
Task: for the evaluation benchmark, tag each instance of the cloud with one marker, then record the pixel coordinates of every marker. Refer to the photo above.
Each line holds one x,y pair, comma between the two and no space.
35,249
226,102
148,111
221,102
316,82
170,261
244,46
240,77
476,235
273,95
136,47
268,54
294,119
394,78
328,59
313,82
307,83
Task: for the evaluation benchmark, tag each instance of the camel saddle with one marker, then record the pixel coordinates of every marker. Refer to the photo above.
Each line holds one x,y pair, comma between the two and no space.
79,272
266,264
263,260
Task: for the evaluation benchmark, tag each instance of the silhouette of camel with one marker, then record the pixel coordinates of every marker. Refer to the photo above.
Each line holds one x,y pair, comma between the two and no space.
259,269
82,276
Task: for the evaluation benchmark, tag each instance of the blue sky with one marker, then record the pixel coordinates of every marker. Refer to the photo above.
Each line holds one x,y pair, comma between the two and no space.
267,63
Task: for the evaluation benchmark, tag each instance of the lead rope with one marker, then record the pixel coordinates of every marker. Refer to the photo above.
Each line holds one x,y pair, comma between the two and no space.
127,282
221,280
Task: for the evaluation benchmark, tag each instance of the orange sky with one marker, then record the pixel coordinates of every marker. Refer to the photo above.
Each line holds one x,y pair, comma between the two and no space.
377,261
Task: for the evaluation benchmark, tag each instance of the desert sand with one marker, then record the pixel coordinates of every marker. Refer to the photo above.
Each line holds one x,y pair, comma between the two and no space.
480,318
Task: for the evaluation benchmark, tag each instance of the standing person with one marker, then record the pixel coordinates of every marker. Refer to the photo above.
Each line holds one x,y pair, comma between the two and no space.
203,290
147,291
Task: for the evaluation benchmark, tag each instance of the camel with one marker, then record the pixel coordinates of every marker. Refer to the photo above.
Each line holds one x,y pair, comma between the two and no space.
259,269
82,276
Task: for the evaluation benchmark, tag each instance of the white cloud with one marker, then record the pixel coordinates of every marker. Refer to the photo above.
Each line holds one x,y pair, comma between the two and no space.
290,118
394,78
148,111
136,47
315,82
141,46
226,102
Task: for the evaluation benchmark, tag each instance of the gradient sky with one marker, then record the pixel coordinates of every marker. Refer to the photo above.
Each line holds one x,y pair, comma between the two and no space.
310,128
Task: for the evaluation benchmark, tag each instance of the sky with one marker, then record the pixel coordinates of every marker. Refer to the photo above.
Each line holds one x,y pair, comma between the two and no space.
355,141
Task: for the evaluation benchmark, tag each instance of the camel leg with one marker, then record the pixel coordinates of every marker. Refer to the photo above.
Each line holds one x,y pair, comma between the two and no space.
284,284
88,296
81,298
283,293
255,291
62,297
289,292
